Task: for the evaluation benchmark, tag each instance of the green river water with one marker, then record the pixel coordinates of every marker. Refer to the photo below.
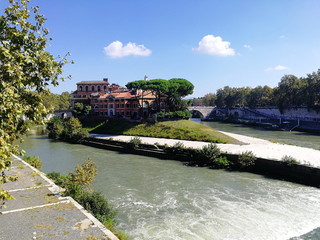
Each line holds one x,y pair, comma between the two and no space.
162,199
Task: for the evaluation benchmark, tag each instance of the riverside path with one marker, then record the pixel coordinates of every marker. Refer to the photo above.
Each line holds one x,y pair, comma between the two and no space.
39,212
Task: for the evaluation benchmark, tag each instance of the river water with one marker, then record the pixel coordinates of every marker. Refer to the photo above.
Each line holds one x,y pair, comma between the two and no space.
162,199
296,138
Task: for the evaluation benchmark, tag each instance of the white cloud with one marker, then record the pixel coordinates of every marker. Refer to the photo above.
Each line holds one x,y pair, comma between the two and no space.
247,46
214,46
118,50
276,68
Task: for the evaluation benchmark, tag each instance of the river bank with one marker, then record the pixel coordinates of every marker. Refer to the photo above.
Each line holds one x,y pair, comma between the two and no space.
39,212
159,199
260,147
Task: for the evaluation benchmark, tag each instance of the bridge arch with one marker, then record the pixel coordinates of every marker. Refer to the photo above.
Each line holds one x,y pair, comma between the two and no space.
203,110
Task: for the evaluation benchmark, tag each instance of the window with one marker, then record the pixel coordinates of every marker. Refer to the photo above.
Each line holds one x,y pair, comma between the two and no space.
104,88
127,105
122,105
117,105
86,88
80,88
99,89
92,88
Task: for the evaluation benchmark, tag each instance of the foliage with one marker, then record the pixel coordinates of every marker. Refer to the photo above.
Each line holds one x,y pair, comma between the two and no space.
208,155
207,100
245,159
77,184
134,143
173,89
80,110
34,161
291,92
85,173
26,70
182,129
177,148
97,204
185,114
55,127
56,101
289,160
221,162
68,130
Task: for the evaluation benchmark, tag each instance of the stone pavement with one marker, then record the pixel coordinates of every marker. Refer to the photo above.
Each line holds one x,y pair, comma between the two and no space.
39,212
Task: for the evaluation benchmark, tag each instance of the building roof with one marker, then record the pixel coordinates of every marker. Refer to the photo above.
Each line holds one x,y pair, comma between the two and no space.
126,94
93,82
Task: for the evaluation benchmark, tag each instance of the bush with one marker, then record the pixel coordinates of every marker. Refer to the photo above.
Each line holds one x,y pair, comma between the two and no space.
245,159
221,162
134,143
177,148
288,160
55,127
61,180
70,130
207,155
97,204
34,161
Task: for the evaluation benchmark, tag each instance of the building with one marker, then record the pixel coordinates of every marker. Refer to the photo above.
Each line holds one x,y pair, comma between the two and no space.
110,100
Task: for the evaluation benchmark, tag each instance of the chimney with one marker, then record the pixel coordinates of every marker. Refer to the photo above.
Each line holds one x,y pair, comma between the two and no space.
106,80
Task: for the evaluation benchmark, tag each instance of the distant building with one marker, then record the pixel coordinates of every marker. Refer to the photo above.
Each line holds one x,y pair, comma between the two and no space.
110,100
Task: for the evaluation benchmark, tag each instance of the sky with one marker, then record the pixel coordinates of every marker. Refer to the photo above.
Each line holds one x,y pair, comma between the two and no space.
236,43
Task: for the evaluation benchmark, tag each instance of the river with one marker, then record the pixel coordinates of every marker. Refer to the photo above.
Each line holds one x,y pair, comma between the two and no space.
302,139
162,199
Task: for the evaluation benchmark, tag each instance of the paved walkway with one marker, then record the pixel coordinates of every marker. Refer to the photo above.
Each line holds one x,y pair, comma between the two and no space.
261,148
39,212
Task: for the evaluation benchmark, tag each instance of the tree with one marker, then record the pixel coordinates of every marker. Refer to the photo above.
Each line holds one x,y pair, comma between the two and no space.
80,110
173,89
177,89
289,92
85,173
26,70
56,101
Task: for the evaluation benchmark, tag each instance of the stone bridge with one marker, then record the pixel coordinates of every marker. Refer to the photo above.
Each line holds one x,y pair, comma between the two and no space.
204,111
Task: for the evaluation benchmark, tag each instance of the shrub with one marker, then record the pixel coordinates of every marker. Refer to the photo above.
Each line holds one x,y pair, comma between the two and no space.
288,160
245,159
55,127
85,173
34,161
207,155
177,148
134,143
221,162
61,180
97,204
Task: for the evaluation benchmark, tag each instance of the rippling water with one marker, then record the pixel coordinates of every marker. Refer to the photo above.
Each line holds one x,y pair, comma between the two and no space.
162,199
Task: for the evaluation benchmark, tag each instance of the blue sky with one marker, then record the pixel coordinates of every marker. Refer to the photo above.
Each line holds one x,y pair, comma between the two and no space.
210,43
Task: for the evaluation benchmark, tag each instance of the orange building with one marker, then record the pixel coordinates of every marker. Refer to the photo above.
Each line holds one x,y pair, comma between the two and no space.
113,100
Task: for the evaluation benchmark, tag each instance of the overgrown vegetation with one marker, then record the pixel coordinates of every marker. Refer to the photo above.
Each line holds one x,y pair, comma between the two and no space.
67,130
77,186
182,129
245,159
26,71
34,161
134,143
184,114
289,160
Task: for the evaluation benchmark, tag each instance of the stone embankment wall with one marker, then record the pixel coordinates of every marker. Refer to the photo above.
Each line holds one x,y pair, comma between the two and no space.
301,113
302,174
